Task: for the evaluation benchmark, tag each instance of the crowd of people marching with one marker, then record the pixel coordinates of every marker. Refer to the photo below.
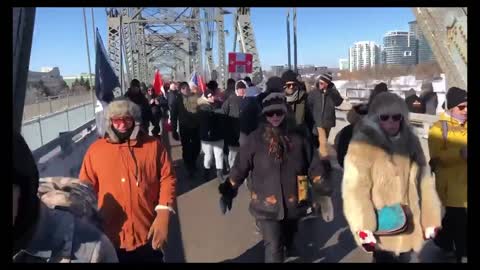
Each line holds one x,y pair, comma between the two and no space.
275,140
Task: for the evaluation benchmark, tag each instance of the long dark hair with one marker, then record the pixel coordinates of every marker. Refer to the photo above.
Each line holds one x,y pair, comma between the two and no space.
277,139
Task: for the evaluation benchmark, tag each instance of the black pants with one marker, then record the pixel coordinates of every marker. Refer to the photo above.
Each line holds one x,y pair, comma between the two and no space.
155,120
453,236
277,235
141,254
380,256
190,139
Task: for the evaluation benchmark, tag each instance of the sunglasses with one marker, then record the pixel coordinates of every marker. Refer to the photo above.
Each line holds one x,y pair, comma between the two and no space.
290,85
122,120
395,117
277,113
462,107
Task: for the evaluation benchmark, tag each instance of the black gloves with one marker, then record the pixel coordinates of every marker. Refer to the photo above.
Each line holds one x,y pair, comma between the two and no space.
175,135
327,166
322,188
228,193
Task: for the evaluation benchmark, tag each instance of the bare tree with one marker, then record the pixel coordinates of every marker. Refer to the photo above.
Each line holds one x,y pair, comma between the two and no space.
429,70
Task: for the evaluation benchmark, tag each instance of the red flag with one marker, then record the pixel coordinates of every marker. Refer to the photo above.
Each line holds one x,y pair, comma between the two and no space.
158,83
202,87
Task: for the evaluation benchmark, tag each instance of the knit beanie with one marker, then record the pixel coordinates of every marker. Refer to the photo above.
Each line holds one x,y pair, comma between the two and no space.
273,102
326,77
289,76
454,97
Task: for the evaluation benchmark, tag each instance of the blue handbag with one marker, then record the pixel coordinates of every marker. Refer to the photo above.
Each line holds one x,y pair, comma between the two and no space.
391,220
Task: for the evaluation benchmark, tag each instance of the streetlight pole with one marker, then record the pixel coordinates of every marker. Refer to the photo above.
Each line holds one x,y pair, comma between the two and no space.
288,39
295,40
88,58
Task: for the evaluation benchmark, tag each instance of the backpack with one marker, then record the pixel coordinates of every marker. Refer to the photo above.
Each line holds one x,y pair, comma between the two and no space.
444,133
69,194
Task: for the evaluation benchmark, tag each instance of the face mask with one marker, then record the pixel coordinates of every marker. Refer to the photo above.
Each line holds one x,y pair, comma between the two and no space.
123,137
460,117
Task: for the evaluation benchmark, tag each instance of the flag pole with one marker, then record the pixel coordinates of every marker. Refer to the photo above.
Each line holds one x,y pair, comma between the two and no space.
88,58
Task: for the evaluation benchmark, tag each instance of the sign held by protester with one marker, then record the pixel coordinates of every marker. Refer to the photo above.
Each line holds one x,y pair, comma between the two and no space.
240,62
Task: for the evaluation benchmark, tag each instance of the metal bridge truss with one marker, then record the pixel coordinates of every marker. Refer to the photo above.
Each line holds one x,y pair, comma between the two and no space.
168,39
178,41
446,31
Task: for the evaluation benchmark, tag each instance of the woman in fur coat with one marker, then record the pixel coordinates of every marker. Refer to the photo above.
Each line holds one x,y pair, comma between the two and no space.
384,166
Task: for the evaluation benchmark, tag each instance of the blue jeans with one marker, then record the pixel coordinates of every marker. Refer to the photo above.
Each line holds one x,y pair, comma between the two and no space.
277,235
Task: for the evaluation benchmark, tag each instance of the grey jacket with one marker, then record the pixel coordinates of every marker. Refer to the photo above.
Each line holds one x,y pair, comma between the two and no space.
60,237
322,106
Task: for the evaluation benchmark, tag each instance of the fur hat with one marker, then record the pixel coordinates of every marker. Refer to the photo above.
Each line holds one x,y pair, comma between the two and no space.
368,129
388,103
121,107
273,102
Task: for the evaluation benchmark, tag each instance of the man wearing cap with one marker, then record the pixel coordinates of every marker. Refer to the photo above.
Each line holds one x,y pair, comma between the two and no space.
322,102
447,142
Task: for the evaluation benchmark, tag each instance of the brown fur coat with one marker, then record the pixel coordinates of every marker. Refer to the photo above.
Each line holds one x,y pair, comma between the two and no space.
380,172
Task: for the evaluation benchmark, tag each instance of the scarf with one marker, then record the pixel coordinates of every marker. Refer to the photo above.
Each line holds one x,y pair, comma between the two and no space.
293,97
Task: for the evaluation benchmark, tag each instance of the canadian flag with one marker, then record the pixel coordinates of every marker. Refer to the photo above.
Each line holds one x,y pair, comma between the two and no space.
158,83
240,62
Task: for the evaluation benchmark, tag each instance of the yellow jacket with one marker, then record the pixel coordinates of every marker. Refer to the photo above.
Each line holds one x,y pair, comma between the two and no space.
450,167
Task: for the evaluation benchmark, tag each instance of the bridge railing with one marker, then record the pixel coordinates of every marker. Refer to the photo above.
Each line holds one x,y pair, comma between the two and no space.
44,129
45,106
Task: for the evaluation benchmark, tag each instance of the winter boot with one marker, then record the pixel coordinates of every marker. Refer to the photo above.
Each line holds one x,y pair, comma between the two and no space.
206,174
220,177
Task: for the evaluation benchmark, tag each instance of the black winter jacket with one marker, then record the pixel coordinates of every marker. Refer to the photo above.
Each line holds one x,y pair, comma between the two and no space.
172,96
185,111
274,185
322,106
159,109
250,113
231,109
142,102
415,104
211,120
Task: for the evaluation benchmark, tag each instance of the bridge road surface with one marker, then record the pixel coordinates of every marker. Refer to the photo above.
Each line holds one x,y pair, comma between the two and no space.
200,233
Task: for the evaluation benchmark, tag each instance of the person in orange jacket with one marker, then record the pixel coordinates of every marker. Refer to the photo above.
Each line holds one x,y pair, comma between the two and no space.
135,183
